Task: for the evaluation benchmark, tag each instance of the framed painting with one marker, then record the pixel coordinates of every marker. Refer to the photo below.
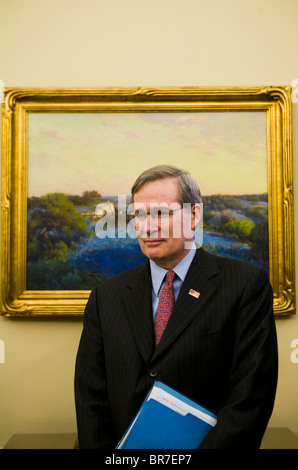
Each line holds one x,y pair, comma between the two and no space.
70,157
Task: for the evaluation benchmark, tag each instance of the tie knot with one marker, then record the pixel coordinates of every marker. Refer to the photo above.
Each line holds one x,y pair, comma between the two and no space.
170,276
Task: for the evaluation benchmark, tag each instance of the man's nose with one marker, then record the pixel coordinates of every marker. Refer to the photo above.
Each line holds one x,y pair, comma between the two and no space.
151,224
148,227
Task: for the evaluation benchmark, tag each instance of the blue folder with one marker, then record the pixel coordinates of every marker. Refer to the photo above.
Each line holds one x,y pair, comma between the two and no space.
168,420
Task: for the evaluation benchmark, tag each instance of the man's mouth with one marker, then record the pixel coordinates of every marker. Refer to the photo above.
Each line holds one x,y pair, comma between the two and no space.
153,241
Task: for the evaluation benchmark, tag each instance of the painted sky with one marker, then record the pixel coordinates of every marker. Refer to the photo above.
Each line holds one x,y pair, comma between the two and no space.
75,152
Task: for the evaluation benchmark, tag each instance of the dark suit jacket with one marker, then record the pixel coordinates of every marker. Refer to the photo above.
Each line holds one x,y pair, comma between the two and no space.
219,350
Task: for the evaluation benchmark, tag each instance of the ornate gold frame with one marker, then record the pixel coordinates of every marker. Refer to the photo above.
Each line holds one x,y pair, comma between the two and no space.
16,300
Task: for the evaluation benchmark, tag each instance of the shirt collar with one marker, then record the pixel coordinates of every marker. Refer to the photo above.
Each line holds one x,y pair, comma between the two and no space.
158,273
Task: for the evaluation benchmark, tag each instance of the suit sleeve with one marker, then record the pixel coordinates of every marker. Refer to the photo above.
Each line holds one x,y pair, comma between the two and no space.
253,375
94,422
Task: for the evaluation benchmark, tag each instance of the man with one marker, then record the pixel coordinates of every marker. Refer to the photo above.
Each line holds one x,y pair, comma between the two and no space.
219,343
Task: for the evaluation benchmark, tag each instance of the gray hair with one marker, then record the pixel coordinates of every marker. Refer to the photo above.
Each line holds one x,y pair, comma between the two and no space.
188,189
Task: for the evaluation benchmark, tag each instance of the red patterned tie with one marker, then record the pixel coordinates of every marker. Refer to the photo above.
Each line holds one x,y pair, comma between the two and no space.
165,306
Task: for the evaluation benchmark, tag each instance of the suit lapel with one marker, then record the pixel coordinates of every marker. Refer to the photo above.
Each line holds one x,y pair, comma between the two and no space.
137,301
187,307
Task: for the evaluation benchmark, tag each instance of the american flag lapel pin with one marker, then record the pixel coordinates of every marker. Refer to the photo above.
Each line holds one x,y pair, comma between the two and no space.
194,293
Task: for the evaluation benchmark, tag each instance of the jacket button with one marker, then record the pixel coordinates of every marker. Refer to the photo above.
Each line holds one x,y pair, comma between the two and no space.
153,372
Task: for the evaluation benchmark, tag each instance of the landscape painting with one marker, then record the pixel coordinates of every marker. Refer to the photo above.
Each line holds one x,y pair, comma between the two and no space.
80,165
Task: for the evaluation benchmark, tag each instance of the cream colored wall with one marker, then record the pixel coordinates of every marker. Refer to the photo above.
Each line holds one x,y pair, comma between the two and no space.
127,43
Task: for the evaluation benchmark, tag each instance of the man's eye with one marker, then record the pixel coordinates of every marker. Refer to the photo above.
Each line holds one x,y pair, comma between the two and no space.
164,213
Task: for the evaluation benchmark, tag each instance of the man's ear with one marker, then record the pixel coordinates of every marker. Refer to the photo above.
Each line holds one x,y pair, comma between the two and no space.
196,214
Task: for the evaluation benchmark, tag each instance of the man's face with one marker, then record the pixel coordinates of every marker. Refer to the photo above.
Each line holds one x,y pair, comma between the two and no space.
164,241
